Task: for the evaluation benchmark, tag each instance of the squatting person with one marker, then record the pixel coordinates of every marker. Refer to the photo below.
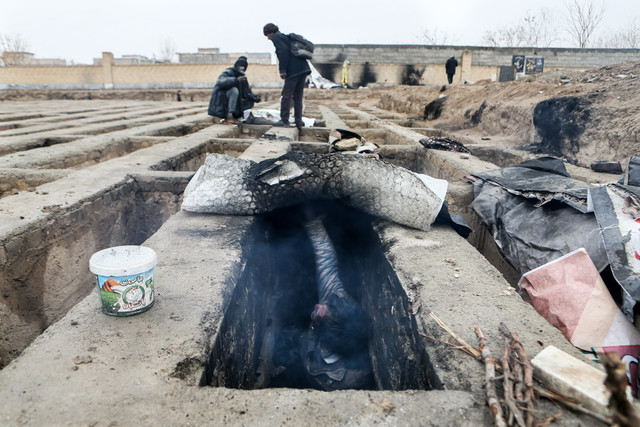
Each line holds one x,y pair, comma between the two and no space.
232,95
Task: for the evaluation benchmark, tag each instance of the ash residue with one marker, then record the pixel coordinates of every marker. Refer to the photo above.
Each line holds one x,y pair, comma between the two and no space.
476,117
411,75
559,123
433,109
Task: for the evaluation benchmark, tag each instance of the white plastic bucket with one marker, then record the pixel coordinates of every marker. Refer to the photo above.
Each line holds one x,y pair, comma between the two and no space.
124,275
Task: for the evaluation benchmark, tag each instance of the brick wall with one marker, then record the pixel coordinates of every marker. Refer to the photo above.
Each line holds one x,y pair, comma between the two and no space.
51,75
370,65
130,76
482,55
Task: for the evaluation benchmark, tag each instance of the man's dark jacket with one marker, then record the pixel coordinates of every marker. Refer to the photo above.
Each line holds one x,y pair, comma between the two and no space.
451,66
287,63
228,79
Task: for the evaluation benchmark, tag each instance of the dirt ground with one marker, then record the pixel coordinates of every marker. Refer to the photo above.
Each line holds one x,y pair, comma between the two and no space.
580,116
583,116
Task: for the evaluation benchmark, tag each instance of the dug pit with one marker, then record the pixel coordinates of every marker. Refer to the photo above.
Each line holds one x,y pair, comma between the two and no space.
259,342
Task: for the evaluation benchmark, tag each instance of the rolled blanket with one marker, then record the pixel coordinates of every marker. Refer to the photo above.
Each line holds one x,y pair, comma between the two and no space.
230,186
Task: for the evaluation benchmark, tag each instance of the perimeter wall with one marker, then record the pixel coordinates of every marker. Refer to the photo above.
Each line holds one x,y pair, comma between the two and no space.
369,65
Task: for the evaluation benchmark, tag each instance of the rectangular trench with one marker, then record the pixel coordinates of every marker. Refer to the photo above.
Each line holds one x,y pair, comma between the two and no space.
259,341
45,269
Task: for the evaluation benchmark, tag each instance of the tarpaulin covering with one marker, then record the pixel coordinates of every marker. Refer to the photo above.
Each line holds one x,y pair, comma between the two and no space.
521,207
544,179
265,116
632,173
529,236
318,81
616,208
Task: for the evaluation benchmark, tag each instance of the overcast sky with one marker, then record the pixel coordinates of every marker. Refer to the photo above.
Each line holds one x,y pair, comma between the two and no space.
79,30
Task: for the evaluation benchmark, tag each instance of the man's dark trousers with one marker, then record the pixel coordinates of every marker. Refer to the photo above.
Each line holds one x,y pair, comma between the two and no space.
293,89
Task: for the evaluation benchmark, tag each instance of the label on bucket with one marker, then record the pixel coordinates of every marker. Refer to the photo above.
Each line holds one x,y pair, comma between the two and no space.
126,295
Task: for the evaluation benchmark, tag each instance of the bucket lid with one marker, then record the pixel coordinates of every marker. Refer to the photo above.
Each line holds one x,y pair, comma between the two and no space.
123,261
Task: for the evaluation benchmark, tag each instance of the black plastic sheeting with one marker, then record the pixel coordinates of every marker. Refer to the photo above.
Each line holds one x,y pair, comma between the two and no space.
536,213
529,236
632,174
444,144
544,179
617,209
452,220
607,167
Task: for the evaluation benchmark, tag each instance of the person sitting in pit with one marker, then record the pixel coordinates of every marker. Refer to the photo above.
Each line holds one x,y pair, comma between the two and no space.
232,95
335,347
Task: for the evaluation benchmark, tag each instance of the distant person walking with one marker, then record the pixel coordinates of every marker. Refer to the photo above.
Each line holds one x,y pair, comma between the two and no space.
450,66
294,70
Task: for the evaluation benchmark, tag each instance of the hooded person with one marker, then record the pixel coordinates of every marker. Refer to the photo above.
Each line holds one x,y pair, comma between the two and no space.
294,70
232,95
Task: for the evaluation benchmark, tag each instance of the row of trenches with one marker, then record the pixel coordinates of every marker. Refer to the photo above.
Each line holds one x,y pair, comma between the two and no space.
278,262
25,162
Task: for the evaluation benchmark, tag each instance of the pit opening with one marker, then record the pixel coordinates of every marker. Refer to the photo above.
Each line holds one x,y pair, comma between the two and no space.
498,155
191,160
358,124
39,143
180,130
125,215
258,345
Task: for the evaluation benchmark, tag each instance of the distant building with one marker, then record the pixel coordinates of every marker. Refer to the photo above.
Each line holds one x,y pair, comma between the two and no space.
48,62
127,60
213,56
28,58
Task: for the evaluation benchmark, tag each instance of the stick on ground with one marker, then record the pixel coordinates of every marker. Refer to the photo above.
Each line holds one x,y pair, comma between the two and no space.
490,376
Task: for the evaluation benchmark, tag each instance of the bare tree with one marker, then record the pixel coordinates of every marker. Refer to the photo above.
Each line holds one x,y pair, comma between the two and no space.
167,50
12,49
625,38
435,36
583,17
540,30
503,37
532,31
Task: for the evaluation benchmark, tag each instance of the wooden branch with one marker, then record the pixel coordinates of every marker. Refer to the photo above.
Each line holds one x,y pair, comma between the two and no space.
529,396
470,351
518,378
490,376
567,402
549,420
552,395
467,347
507,383
616,382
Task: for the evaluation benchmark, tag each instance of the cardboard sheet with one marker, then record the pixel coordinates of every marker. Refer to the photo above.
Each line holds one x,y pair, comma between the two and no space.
571,295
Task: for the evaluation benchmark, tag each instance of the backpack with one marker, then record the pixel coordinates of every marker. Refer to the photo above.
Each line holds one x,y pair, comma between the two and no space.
300,46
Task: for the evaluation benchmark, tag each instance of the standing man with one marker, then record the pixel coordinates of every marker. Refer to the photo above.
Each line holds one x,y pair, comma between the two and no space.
293,70
450,66
231,95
